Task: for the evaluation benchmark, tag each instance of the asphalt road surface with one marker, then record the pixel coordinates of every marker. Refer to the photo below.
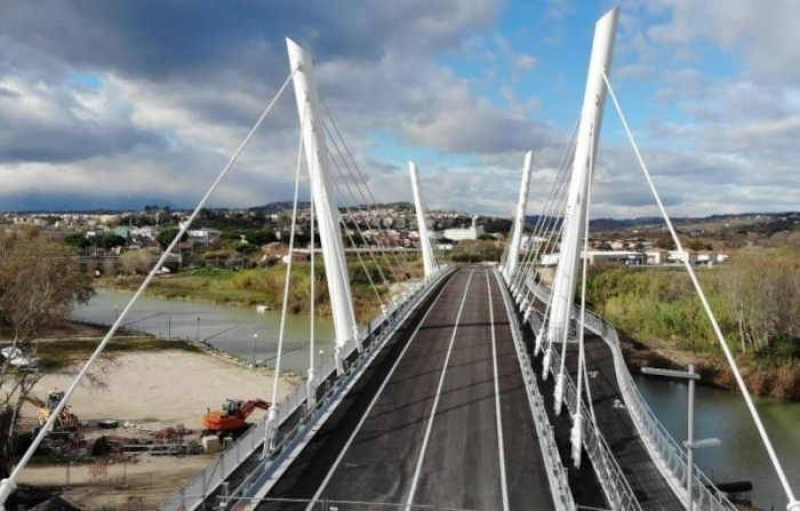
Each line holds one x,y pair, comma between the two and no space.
446,424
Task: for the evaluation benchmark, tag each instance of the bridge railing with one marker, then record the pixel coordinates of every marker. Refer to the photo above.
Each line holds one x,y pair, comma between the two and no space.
556,473
615,485
668,455
210,479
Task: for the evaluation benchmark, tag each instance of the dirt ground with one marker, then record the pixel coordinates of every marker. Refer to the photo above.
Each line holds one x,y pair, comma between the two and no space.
145,391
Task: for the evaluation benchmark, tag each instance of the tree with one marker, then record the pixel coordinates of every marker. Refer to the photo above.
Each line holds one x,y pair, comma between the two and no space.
77,241
110,240
166,236
40,281
137,261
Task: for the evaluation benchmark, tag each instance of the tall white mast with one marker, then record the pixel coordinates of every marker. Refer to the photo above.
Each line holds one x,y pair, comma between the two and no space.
316,152
588,135
519,220
428,261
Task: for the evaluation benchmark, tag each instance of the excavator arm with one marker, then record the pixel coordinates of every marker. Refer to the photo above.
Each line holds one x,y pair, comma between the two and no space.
251,405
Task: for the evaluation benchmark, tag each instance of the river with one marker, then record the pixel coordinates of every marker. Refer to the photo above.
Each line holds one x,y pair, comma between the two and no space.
237,330
722,414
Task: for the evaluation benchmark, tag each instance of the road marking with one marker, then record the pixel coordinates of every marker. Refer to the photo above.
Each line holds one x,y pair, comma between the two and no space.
429,426
363,419
501,448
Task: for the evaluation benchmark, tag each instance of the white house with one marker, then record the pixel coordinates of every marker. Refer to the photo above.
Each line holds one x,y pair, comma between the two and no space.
472,232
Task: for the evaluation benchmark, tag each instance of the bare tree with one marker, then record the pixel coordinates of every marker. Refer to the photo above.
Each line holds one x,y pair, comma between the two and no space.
40,281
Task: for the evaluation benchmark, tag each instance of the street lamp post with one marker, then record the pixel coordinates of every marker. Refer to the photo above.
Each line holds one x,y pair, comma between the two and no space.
691,444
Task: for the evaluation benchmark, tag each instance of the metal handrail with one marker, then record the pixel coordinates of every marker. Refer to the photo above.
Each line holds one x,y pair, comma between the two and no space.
615,485
556,473
665,451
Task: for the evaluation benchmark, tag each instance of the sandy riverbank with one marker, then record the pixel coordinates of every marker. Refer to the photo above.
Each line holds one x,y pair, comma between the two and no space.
150,390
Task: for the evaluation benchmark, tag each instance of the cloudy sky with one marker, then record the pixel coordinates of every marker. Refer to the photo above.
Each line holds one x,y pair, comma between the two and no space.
121,104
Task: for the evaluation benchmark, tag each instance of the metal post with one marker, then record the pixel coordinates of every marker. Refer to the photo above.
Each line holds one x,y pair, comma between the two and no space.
428,262
328,221
691,444
519,220
690,441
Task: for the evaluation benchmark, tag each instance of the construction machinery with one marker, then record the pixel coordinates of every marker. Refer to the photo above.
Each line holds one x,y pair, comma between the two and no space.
232,418
67,421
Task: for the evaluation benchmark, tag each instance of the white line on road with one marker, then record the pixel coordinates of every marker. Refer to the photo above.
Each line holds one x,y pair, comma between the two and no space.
355,432
501,448
428,428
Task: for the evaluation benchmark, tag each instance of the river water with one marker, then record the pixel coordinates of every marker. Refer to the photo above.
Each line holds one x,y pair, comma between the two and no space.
237,330
253,336
723,414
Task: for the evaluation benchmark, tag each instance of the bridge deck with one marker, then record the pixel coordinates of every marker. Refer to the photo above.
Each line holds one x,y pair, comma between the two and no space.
424,429
616,425
618,428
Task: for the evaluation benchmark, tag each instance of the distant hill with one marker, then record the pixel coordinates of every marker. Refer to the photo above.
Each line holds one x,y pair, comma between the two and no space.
737,222
277,207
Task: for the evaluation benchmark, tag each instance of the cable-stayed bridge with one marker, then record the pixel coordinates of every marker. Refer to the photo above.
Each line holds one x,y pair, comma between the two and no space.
475,387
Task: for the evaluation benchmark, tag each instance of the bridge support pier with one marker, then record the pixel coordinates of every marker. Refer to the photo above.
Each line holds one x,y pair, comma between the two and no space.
586,147
317,159
428,261
510,266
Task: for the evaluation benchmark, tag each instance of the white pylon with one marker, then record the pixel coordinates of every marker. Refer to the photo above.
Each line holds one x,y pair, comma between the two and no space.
574,216
512,259
316,152
428,261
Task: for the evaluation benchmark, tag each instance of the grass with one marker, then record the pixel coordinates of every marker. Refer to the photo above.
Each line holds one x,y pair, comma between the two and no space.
265,285
57,354
659,309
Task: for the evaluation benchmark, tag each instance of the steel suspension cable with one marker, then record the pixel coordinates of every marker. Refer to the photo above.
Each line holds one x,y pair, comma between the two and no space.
368,198
312,323
793,504
577,421
8,485
552,226
353,218
356,168
355,246
539,220
523,271
549,227
551,220
273,409
353,199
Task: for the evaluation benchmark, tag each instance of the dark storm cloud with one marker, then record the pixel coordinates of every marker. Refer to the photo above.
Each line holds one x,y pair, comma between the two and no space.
161,38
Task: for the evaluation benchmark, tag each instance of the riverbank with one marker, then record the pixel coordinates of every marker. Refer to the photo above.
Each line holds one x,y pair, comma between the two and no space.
755,298
264,286
775,379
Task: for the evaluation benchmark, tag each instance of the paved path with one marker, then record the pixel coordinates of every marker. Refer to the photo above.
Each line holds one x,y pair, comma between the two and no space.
443,421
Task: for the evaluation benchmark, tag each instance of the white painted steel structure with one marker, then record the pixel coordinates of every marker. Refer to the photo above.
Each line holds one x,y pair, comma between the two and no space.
510,265
669,457
428,260
317,159
586,146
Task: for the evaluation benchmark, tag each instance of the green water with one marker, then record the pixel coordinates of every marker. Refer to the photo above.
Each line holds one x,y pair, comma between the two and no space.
237,330
723,414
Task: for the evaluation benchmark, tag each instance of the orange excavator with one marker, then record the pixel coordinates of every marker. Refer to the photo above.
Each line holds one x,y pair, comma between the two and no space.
232,418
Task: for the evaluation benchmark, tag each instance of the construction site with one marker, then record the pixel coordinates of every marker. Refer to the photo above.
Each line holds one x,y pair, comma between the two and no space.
129,442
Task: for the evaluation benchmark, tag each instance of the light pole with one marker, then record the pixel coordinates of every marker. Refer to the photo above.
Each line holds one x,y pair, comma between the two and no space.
691,444
255,337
